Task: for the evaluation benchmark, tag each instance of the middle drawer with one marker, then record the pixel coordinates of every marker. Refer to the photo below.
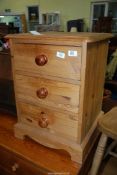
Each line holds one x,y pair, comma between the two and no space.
55,94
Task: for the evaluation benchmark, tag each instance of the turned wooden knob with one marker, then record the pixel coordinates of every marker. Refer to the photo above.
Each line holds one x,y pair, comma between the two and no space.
42,92
43,120
15,167
41,60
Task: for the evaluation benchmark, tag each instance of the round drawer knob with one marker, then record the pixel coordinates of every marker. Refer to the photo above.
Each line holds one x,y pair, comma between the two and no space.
42,92
43,120
41,60
15,167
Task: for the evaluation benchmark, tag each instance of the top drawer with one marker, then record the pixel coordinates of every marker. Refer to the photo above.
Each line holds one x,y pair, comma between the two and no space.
48,60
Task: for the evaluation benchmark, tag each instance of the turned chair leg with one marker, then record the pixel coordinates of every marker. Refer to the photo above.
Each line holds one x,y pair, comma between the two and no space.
98,155
110,148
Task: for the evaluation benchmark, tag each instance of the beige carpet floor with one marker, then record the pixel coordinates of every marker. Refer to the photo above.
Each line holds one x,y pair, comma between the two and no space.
110,167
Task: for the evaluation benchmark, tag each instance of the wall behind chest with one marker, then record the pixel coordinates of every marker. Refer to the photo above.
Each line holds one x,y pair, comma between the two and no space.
68,9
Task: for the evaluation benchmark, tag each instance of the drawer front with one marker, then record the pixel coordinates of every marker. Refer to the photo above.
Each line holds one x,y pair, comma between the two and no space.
57,61
39,91
13,164
49,121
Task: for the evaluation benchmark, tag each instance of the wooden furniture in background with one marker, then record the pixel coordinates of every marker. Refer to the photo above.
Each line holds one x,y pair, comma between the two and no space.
9,23
7,97
5,65
108,127
22,21
59,82
103,24
45,28
3,29
104,9
16,22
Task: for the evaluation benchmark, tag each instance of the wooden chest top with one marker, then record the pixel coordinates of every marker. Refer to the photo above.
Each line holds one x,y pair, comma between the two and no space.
68,38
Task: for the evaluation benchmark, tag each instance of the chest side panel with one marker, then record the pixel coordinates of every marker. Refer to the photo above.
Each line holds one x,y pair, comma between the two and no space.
94,84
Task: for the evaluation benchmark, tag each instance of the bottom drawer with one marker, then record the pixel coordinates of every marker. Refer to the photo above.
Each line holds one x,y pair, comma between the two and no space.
54,122
11,164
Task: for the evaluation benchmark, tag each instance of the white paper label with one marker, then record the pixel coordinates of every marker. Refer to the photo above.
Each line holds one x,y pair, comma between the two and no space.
72,53
60,55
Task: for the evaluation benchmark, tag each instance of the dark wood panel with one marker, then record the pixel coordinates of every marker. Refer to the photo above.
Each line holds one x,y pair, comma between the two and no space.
4,171
13,163
5,65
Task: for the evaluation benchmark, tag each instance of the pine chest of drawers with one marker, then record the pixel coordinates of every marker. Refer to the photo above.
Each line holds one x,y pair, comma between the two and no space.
59,79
